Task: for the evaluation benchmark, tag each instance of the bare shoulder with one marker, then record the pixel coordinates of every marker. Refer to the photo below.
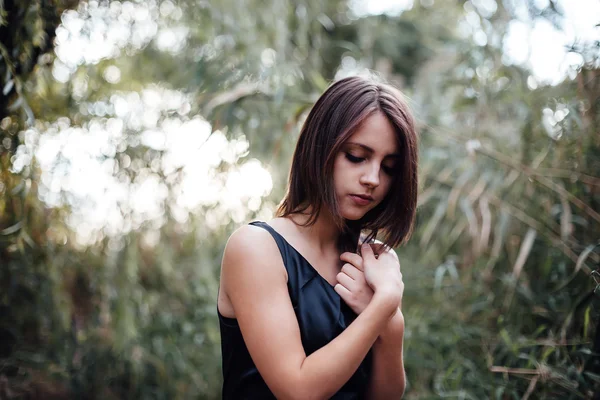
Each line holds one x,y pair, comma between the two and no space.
247,239
251,258
254,277
251,247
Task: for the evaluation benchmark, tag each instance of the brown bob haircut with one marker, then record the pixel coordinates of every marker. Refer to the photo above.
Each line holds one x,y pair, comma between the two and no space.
333,119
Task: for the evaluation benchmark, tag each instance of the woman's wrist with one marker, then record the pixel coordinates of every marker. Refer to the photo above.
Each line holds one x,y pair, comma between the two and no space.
387,300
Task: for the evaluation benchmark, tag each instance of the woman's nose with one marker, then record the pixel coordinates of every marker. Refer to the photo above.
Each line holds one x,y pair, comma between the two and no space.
370,177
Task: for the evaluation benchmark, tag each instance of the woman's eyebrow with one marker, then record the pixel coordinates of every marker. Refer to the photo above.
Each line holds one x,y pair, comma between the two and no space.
370,150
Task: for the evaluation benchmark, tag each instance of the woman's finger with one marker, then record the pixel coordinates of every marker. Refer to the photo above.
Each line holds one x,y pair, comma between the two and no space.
391,254
353,259
367,253
345,280
351,271
342,291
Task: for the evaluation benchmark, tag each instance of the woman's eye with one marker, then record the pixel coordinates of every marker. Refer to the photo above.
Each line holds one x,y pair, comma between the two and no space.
354,159
388,170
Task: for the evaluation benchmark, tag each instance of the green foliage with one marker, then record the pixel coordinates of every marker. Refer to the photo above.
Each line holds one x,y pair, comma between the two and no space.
509,213
501,276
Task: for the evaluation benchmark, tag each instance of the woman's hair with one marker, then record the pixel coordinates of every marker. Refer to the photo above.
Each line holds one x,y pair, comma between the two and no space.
332,120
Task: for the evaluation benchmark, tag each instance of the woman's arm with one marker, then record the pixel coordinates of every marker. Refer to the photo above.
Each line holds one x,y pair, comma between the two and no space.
256,284
388,380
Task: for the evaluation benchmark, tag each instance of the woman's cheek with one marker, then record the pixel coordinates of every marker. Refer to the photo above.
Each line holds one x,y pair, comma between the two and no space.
387,186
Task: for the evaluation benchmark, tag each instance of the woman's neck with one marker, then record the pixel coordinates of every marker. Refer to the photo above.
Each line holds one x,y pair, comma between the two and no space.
323,234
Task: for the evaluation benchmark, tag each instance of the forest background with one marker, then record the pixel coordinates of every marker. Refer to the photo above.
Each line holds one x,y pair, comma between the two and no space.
135,136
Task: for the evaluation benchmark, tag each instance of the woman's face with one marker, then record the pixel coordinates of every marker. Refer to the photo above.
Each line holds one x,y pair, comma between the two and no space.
364,168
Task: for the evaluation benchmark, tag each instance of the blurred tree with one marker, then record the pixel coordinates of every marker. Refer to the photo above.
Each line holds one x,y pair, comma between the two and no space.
508,213
27,30
125,307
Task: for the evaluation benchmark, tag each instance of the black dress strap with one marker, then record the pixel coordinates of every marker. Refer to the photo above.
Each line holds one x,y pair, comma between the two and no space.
281,242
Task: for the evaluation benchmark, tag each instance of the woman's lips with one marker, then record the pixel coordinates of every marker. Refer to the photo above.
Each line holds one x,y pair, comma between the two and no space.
361,201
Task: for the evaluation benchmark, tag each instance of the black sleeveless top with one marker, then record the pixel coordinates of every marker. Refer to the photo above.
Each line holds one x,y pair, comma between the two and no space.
321,314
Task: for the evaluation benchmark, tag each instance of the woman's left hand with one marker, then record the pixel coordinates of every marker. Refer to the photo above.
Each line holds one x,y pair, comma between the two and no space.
352,286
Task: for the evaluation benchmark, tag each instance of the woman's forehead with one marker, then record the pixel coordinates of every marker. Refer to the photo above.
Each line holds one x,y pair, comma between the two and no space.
375,134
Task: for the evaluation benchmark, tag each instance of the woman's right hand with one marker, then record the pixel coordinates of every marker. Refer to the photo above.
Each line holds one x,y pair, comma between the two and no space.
383,274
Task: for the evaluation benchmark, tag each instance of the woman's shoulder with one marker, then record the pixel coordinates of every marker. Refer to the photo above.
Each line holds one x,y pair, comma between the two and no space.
248,239
251,245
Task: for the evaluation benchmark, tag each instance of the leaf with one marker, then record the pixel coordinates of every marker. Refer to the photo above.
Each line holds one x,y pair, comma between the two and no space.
584,255
3,15
594,377
227,97
524,252
17,189
499,235
477,190
39,37
465,205
578,265
433,222
486,224
318,80
547,353
586,322
27,239
7,88
457,189
15,104
11,229
440,271
448,266
566,218
427,194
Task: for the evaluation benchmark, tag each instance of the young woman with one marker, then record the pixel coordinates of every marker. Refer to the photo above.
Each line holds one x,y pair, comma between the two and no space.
309,306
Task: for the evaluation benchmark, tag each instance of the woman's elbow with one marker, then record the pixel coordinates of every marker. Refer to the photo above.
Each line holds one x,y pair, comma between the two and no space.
298,393
301,391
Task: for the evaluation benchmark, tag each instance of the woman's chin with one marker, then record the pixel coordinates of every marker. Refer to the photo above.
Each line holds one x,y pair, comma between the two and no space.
353,215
